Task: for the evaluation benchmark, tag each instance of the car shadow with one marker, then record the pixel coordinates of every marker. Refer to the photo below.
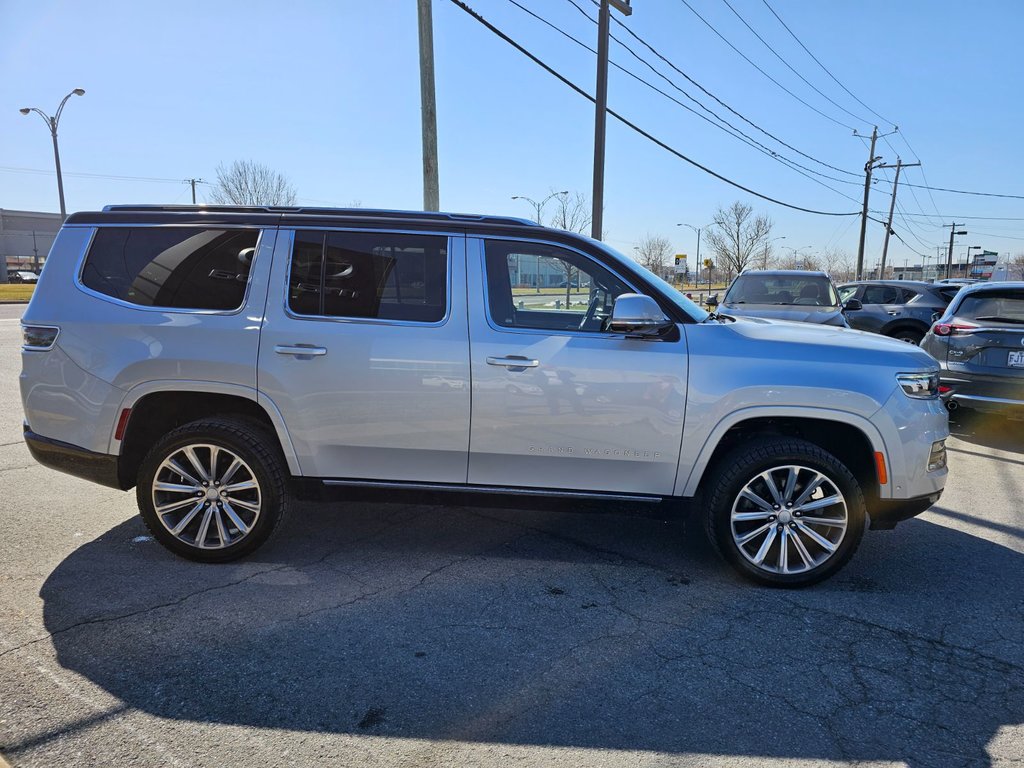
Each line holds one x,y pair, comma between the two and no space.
987,430
603,631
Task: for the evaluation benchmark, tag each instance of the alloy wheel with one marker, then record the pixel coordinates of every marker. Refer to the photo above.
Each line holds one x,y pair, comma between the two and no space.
789,519
206,496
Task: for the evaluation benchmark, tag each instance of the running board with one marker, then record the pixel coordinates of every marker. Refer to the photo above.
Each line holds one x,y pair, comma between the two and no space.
553,493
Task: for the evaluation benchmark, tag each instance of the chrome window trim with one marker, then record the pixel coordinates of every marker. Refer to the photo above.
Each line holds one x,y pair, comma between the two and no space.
290,231
32,348
177,310
542,331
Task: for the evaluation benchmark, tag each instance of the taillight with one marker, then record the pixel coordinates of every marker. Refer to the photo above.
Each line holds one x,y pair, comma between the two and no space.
952,329
38,337
944,389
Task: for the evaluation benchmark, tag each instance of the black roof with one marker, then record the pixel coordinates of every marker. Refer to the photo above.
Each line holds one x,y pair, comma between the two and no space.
275,214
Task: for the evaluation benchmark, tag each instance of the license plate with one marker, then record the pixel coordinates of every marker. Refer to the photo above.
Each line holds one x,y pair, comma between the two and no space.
1015,359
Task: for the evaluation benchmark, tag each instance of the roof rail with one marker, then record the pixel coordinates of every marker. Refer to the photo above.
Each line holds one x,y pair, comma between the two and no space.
374,213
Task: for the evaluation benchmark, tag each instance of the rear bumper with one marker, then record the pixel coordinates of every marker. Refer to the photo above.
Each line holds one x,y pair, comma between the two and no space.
96,467
885,513
981,392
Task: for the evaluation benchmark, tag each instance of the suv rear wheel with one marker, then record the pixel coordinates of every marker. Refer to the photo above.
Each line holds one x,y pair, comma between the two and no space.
785,512
909,335
213,490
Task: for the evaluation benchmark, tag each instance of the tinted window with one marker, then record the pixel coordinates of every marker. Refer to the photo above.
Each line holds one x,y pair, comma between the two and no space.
369,275
996,306
882,294
807,290
847,292
532,285
171,267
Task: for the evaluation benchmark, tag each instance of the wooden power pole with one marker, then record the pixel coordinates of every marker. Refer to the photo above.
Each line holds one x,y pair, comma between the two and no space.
428,108
892,205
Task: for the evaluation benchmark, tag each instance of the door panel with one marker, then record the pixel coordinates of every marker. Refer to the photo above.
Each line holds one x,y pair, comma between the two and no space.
381,399
586,410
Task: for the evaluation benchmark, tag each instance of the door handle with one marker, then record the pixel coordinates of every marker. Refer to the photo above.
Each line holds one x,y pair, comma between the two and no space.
513,361
299,349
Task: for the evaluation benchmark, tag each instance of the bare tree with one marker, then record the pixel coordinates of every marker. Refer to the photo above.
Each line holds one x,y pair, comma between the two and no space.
572,213
246,182
653,252
1015,267
736,236
797,260
837,263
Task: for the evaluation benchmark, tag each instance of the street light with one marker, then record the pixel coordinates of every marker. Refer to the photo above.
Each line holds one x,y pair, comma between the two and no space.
51,123
539,208
764,260
967,259
697,230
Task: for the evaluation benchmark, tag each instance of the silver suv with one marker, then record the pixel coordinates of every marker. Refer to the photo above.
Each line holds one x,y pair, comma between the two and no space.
224,360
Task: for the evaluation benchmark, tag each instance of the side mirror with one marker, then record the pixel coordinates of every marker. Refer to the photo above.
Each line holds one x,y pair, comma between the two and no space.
852,305
712,300
637,315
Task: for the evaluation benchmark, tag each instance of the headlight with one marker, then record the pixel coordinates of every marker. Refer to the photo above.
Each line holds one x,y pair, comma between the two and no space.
921,386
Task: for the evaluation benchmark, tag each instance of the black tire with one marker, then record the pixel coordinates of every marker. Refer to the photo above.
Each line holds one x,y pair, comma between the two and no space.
746,462
909,335
250,442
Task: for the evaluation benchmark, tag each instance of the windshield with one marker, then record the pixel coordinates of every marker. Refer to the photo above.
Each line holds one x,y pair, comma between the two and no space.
667,290
803,290
998,306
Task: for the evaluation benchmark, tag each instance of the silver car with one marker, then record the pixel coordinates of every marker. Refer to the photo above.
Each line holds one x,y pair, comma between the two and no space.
223,360
785,294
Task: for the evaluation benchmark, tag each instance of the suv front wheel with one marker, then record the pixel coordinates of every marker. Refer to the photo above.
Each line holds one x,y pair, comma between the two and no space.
213,490
785,512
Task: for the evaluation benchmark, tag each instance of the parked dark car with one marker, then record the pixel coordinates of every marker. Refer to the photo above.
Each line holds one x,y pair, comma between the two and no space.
979,343
784,294
22,276
902,309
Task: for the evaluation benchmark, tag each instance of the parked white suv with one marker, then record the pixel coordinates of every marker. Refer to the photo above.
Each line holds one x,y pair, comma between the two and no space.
221,360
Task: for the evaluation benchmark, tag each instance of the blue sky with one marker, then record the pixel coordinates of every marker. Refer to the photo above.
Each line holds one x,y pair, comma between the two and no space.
328,93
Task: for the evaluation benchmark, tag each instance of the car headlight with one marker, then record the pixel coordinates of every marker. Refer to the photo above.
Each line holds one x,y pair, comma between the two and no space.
921,386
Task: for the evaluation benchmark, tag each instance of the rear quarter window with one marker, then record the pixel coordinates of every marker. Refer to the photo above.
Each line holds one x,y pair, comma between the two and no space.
171,267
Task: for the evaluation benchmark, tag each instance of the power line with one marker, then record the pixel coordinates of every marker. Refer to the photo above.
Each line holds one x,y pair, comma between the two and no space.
729,127
40,171
826,69
633,126
755,66
791,68
708,93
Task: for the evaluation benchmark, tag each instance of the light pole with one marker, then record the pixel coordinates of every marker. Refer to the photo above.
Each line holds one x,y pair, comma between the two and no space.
764,260
697,230
539,209
967,258
51,123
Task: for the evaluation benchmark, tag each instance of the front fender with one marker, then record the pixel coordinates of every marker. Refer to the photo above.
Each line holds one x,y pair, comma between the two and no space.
694,458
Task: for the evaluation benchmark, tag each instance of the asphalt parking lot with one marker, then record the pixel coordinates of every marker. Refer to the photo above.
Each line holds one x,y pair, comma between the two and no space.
414,635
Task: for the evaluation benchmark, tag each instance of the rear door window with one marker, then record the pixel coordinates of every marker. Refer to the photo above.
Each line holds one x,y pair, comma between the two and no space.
370,275
882,294
172,267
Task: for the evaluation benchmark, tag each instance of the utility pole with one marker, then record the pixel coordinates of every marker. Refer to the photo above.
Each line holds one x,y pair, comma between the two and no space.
193,182
601,109
867,189
428,108
35,254
869,166
949,255
892,205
